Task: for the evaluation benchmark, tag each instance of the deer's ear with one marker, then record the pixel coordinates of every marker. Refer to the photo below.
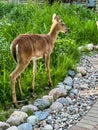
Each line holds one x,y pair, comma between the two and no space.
53,17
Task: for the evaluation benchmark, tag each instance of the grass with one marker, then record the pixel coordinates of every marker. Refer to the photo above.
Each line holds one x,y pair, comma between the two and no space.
33,18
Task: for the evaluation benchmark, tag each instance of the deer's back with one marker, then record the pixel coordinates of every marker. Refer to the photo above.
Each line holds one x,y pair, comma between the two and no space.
30,45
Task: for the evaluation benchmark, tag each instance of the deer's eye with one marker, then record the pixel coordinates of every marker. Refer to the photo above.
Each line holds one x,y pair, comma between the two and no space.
63,24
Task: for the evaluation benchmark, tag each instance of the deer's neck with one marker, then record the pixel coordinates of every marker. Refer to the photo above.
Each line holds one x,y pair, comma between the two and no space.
53,33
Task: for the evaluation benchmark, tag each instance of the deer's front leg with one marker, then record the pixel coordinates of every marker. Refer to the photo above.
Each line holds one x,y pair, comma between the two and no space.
34,72
47,61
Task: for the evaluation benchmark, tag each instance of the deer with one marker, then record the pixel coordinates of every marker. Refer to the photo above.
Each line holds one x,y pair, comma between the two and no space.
31,47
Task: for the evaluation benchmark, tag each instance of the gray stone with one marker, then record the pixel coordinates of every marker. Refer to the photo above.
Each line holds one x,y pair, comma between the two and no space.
78,75
48,127
12,128
29,107
81,48
72,110
57,106
67,87
49,98
82,70
17,117
96,47
69,100
41,115
90,47
65,101
42,103
58,92
68,81
84,86
76,86
33,120
71,73
60,85
72,96
74,91
56,126
25,126
3,125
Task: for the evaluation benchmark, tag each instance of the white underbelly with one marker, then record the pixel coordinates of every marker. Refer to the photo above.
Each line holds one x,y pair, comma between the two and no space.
36,58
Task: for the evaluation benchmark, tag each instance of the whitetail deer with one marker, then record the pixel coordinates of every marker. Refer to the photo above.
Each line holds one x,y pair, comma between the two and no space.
27,47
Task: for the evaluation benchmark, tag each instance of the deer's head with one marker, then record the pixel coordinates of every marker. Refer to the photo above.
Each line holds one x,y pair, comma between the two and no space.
59,24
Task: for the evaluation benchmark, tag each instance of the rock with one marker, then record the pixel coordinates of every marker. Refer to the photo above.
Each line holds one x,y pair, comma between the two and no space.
58,92
68,81
76,86
42,103
69,100
48,110
36,129
48,127
41,115
96,47
56,127
60,85
82,70
67,87
84,86
89,47
56,106
81,48
33,120
29,107
74,91
72,96
25,126
71,73
46,88
49,98
84,106
12,128
72,110
64,101
17,117
78,75
3,125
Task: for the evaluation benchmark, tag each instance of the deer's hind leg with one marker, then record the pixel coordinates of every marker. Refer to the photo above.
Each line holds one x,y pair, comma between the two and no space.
13,76
34,73
19,85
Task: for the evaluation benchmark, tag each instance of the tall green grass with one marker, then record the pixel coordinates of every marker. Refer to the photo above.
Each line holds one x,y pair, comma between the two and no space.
35,18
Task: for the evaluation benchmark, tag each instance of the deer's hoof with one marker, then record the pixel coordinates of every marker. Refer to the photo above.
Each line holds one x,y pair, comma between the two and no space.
31,90
50,84
15,105
33,95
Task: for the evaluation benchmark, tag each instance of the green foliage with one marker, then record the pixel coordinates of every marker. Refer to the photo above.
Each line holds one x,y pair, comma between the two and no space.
34,18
